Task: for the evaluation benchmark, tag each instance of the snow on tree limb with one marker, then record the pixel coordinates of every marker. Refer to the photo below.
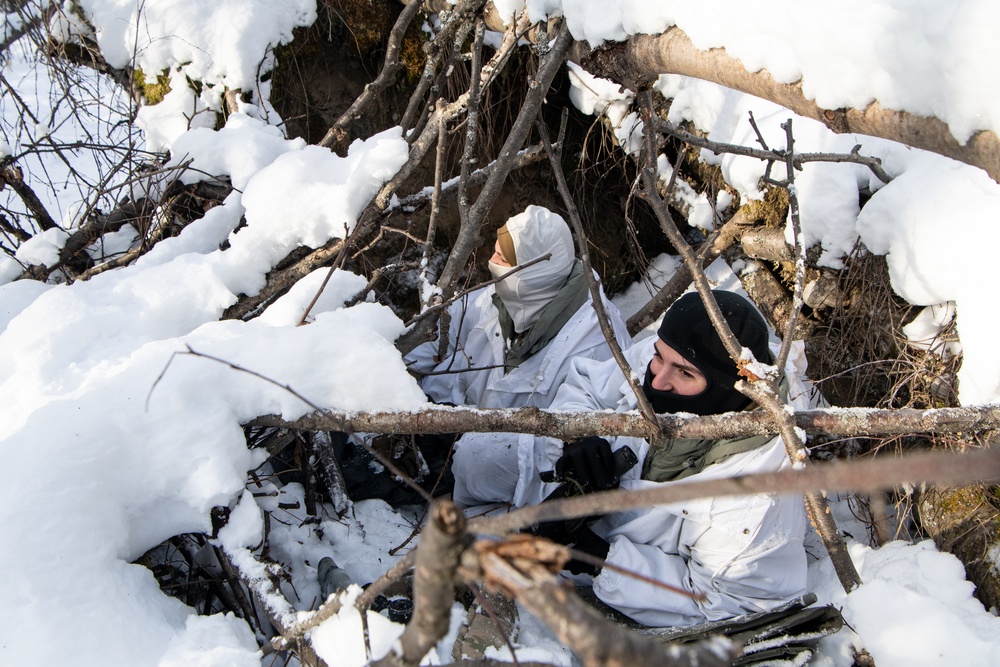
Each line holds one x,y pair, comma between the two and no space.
638,61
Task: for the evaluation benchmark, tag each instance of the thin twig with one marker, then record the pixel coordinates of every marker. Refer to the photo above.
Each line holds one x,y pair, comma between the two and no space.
596,296
424,291
873,163
469,234
395,470
600,562
461,295
800,250
235,367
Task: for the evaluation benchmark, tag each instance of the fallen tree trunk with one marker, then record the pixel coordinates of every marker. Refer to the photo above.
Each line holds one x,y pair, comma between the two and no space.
642,58
638,62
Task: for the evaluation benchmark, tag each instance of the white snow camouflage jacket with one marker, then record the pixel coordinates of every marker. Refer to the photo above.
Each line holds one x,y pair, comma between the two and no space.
743,554
477,343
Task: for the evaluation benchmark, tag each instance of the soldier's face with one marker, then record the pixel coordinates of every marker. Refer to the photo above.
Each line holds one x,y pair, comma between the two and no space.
674,374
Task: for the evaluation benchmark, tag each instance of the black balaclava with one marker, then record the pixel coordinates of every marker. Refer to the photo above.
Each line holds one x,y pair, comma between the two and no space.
687,329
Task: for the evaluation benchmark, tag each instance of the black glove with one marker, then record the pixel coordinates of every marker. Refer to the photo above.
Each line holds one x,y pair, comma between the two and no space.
590,463
588,542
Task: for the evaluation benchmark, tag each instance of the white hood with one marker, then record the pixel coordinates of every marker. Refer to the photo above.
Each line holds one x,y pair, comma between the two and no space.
535,232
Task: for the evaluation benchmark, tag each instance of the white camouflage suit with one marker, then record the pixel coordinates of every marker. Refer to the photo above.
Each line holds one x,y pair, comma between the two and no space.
476,342
744,554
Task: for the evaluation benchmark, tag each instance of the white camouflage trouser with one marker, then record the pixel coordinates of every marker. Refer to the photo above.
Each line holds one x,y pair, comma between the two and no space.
485,468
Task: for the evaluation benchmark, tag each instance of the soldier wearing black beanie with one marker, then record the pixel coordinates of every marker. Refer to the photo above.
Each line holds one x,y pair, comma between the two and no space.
743,552
687,329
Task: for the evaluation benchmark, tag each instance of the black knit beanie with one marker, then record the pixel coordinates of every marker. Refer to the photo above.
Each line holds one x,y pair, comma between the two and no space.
687,328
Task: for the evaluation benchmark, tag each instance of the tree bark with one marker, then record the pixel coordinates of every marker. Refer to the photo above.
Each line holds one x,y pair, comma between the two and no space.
328,472
12,175
279,611
764,289
865,476
638,61
767,243
441,545
846,422
598,641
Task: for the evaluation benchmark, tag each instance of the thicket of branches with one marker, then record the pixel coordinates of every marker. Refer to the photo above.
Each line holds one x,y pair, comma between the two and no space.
482,145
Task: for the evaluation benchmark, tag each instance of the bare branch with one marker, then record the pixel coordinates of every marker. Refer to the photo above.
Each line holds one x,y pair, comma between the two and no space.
469,235
681,280
394,574
338,134
718,148
528,156
294,634
456,17
468,157
441,545
598,641
846,422
595,289
28,24
236,367
408,341
800,249
11,174
281,280
423,281
419,148
860,476
260,580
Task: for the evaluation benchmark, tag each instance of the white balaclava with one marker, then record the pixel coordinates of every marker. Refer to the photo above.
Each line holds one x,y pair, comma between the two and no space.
535,232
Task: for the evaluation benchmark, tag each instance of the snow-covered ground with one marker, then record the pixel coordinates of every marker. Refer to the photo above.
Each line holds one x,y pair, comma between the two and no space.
115,438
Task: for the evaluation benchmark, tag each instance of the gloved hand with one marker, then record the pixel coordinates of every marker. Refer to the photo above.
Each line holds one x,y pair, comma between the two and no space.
590,463
590,543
